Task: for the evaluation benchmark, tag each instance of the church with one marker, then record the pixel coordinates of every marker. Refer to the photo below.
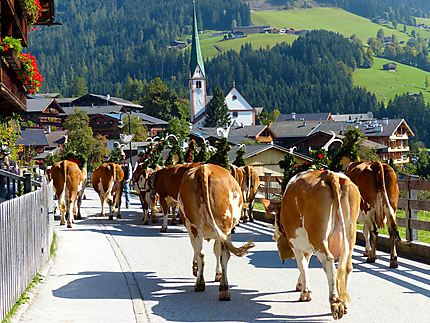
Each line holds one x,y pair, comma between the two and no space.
242,113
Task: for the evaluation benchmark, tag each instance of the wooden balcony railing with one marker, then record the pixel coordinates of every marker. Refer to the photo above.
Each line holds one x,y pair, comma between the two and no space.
12,91
18,19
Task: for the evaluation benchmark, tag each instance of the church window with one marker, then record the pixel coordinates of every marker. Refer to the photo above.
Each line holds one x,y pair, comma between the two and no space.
234,97
235,114
199,84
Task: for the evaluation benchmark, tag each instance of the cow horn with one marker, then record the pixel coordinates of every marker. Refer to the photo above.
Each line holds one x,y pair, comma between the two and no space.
332,140
171,136
291,150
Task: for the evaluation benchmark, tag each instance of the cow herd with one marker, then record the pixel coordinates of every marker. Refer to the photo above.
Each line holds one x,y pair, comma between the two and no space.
317,214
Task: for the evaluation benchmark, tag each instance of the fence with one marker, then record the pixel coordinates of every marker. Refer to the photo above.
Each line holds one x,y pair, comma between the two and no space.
409,202
11,184
26,230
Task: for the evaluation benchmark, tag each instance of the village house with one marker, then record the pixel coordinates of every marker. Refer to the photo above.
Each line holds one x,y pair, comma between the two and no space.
389,67
250,29
91,99
42,113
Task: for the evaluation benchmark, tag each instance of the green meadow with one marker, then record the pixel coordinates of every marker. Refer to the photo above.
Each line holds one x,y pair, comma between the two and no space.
211,44
386,84
332,19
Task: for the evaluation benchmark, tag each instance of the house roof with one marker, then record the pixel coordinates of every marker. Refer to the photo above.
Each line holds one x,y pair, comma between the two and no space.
150,120
92,110
65,101
40,104
352,117
292,129
55,138
252,150
116,101
303,116
32,137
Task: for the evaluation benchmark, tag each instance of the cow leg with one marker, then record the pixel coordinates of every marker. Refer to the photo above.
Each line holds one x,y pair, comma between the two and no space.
79,202
197,243
173,215
366,234
299,280
302,264
371,258
102,202
224,294
145,212
218,268
62,208
336,305
394,237
244,213
165,208
250,208
69,212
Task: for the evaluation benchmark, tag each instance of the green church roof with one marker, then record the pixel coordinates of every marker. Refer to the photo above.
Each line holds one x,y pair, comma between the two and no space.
196,53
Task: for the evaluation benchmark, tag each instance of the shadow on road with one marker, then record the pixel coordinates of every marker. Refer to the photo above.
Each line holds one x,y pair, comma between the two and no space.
176,300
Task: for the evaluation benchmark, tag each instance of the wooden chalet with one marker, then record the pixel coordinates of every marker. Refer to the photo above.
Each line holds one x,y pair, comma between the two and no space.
14,24
43,113
91,99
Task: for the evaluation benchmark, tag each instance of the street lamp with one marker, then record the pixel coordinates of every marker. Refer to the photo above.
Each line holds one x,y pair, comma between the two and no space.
126,138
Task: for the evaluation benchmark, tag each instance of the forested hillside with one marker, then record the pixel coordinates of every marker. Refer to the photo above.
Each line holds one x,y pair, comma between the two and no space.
105,41
311,75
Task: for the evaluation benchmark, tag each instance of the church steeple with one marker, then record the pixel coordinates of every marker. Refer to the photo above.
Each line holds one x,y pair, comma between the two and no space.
196,54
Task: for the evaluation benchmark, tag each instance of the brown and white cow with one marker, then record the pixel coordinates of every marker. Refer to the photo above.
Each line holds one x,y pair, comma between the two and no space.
249,181
317,215
67,180
108,183
166,183
211,202
140,175
379,190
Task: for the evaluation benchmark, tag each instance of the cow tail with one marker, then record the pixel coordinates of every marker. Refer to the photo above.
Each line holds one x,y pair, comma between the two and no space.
392,222
344,252
225,240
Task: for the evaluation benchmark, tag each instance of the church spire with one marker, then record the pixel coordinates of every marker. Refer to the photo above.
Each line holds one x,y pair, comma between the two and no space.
196,54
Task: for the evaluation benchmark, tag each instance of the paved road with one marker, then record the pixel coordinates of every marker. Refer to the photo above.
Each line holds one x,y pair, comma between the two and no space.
103,270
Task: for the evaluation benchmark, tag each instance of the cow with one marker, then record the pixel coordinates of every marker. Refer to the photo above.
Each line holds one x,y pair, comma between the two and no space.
107,182
249,181
166,183
211,201
140,175
68,181
81,192
379,190
318,214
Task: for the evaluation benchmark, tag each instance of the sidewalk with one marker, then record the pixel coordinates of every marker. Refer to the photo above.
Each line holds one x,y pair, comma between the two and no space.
90,280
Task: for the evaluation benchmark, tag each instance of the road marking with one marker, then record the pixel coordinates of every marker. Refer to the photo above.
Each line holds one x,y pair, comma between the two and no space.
139,308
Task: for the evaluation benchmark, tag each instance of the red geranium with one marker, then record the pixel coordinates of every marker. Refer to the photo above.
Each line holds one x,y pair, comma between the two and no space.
30,76
320,156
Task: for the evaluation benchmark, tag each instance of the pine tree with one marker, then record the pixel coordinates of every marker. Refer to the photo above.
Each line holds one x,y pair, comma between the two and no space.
204,155
221,156
239,161
218,114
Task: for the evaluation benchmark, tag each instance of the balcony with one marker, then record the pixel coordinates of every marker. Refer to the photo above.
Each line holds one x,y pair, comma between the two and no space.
403,160
14,22
398,149
399,137
47,16
12,91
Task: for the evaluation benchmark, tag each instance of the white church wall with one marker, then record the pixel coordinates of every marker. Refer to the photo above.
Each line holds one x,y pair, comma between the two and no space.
245,118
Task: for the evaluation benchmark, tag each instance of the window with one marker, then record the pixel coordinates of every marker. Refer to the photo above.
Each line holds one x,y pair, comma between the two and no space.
235,114
234,97
199,84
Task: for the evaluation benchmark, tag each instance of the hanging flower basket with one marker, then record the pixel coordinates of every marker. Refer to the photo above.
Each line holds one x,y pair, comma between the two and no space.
33,11
30,76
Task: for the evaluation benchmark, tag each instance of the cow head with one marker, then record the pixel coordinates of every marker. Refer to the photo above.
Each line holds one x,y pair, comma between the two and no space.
273,208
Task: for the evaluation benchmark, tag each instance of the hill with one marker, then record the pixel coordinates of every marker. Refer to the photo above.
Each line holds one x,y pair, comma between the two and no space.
386,84
332,19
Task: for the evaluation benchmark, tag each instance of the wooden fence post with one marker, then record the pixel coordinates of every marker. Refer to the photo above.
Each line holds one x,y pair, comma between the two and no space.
27,183
411,234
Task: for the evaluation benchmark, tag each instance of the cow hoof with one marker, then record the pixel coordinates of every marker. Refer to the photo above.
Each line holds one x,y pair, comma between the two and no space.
371,260
305,296
251,219
78,217
337,309
154,221
233,230
69,225
163,230
366,253
218,277
119,216
224,295
110,217
394,264
200,287
61,223
145,222
173,223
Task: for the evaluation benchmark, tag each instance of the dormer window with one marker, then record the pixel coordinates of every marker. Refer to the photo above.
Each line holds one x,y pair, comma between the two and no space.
199,84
